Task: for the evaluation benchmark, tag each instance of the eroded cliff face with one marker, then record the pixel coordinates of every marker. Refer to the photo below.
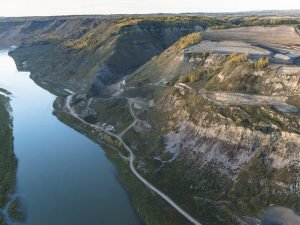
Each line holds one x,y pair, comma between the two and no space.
210,126
251,167
230,145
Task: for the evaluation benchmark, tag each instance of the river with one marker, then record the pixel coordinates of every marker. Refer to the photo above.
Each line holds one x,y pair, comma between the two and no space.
63,177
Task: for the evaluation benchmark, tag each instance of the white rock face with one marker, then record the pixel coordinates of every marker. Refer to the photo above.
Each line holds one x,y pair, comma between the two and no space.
227,48
229,145
282,57
224,98
289,70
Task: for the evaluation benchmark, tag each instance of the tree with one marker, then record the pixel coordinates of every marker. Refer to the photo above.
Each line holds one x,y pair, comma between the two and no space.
262,63
235,58
193,77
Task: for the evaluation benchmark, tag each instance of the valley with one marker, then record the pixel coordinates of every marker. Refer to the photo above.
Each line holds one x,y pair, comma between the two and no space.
199,113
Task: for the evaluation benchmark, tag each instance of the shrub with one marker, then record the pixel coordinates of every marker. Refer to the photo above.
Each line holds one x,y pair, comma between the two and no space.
238,58
262,63
192,77
190,39
183,79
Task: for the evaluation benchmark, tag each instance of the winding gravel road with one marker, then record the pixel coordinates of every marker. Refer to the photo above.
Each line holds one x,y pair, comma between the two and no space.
131,161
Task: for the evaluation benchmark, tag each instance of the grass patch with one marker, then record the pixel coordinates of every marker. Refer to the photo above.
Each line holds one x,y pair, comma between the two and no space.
15,210
2,222
8,161
258,186
149,206
113,111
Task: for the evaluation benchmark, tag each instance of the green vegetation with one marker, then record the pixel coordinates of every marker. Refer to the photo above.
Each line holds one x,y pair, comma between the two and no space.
15,210
110,47
240,21
188,40
182,179
192,77
262,63
207,193
65,59
239,75
199,191
8,162
5,91
225,22
177,21
257,184
2,222
196,191
238,58
151,208
258,117
118,48
113,111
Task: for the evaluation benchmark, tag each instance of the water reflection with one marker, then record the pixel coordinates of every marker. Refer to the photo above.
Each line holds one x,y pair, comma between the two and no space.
63,178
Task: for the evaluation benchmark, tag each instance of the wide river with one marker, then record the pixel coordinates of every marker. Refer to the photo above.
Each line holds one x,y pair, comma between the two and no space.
63,177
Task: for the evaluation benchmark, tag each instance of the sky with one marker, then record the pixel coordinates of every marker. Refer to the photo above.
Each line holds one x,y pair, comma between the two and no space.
72,7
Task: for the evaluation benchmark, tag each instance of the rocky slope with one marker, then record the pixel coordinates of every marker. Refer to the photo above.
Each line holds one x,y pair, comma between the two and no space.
224,158
252,150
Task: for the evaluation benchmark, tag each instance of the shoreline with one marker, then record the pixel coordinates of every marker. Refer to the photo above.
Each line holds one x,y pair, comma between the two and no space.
137,191
120,142
8,160
144,200
155,215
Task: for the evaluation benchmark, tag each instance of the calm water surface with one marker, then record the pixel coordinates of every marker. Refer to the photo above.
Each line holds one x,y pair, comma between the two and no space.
63,178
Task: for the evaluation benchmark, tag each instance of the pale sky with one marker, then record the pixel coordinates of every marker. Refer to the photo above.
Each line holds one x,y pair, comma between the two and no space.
71,7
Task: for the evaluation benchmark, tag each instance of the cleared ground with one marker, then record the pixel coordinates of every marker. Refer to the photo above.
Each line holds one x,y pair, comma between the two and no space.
283,35
223,98
227,47
289,70
282,43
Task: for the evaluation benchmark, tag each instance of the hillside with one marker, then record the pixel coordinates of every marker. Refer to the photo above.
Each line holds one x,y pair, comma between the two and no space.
99,51
94,52
249,141
220,122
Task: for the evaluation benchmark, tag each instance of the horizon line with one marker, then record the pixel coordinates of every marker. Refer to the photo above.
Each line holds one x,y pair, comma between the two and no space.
158,13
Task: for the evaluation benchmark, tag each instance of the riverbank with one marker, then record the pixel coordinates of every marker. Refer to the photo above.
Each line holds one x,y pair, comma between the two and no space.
62,177
151,207
8,161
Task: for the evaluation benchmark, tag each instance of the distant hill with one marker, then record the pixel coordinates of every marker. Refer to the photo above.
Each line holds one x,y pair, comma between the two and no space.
291,13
